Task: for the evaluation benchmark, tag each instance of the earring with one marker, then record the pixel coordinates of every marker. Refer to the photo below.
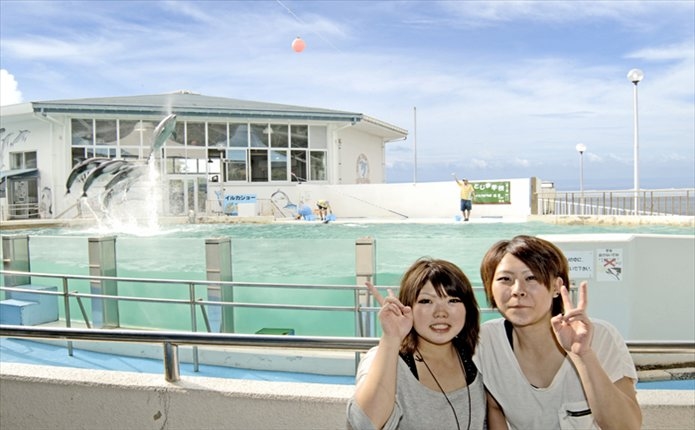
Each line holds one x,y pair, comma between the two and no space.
556,295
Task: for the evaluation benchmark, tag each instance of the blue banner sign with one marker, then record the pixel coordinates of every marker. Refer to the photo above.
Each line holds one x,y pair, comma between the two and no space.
240,198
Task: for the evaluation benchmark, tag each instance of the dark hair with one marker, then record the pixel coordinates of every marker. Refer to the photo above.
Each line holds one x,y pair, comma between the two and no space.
545,260
448,280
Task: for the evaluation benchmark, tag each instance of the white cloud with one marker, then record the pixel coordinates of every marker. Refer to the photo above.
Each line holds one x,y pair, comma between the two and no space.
9,89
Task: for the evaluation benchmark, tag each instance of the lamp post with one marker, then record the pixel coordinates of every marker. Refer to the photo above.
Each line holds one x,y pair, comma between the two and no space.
635,76
580,149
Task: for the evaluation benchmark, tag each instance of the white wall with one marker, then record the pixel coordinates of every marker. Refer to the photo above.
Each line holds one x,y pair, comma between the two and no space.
653,297
395,201
42,397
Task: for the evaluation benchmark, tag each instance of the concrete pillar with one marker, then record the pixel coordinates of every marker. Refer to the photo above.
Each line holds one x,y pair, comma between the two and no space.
365,270
102,262
535,189
218,267
15,256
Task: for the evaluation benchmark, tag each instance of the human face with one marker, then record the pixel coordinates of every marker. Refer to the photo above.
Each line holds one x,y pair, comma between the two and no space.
519,296
437,319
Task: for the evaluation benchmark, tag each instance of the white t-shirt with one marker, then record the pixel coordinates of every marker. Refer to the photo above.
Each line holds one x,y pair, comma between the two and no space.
418,407
561,405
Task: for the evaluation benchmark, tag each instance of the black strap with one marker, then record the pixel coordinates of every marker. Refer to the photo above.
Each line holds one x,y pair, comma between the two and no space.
508,328
468,365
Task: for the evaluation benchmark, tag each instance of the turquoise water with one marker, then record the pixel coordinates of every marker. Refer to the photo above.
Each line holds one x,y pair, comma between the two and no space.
298,253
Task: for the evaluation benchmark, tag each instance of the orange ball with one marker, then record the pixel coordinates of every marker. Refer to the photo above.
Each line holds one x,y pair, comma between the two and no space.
298,44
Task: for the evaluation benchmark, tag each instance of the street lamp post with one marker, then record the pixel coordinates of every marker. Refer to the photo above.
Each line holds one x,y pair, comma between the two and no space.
580,149
635,76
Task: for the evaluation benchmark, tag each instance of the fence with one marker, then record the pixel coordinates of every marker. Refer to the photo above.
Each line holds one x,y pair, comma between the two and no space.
680,202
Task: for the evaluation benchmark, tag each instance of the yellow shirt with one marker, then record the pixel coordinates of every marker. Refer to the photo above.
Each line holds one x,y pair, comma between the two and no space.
467,191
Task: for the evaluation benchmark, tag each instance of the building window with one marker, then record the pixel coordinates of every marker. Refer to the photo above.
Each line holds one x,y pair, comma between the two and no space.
318,166
23,160
299,136
262,151
235,164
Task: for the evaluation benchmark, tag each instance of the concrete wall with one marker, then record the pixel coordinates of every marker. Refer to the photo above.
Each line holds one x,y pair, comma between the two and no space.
642,284
392,201
40,397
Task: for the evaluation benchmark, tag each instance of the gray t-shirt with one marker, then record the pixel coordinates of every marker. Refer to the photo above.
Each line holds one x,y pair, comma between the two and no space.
418,407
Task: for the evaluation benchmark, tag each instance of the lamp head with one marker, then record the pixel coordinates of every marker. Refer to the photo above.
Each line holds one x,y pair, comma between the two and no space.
580,148
635,76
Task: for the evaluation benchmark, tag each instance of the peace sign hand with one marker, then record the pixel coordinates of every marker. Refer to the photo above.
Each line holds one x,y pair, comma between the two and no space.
574,330
396,319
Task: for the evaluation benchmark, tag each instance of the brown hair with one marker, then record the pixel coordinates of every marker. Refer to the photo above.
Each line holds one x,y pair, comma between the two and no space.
448,280
545,260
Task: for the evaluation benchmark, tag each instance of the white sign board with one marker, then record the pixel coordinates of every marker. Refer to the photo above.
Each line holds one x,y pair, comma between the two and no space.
610,264
581,264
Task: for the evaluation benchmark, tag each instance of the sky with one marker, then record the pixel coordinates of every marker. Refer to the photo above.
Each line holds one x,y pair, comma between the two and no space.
486,89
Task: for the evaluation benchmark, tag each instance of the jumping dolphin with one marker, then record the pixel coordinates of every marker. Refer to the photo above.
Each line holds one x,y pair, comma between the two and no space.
162,132
81,167
128,172
122,181
107,167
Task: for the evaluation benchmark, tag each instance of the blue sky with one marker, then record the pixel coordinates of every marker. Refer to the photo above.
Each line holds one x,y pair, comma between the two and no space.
502,89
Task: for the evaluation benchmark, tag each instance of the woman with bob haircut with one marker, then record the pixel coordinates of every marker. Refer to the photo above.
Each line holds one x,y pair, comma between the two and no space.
422,375
546,364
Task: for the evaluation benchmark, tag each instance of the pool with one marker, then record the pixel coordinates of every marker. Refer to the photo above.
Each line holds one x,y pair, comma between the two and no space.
288,252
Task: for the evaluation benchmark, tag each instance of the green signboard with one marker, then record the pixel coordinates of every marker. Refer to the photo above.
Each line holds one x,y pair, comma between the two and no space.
492,192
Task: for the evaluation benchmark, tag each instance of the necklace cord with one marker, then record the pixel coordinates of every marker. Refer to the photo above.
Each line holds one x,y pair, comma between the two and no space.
468,388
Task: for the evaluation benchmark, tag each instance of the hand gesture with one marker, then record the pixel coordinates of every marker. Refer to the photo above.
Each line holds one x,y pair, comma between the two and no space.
395,318
573,330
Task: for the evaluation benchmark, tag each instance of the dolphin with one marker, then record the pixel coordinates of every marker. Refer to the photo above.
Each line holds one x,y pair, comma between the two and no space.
128,172
88,164
121,181
106,167
162,132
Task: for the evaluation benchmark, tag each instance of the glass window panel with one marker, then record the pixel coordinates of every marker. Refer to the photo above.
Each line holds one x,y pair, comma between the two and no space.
278,165
176,198
175,165
236,165
130,153
299,136
179,133
318,137
239,135
191,166
82,131
259,165
105,152
279,136
129,133
259,135
217,134
190,190
318,166
214,160
15,161
202,186
78,155
106,132
298,166
30,160
195,133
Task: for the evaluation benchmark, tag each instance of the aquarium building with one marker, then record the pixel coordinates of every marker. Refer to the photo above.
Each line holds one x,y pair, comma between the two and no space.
219,144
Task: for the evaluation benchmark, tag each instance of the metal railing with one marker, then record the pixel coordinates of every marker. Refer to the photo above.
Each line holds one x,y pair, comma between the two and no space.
679,202
362,328
171,340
